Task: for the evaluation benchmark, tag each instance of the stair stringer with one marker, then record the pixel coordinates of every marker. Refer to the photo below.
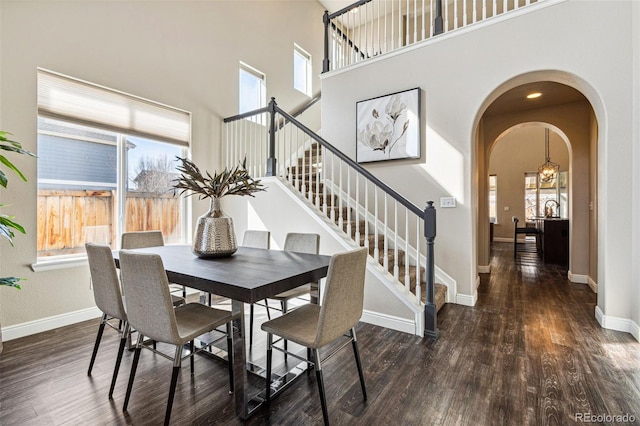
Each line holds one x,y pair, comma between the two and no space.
386,303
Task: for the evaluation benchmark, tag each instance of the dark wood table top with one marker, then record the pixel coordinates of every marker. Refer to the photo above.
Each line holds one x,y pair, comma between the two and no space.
249,275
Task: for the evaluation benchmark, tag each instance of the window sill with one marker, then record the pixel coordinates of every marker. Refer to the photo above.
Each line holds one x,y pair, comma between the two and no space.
42,265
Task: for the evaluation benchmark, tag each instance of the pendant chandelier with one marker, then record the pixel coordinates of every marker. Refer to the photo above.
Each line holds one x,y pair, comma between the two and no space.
549,170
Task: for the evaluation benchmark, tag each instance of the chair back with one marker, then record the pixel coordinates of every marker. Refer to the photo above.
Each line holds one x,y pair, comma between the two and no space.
343,295
106,286
256,239
141,239
302,243
149,305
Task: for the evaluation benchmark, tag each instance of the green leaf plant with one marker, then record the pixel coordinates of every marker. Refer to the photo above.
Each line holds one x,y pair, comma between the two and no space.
7,224
236,181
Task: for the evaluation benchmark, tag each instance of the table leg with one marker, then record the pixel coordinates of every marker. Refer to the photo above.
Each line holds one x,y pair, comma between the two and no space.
241,385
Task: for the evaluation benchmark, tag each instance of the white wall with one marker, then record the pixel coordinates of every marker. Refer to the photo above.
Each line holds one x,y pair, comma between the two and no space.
635,311
184,54
460,74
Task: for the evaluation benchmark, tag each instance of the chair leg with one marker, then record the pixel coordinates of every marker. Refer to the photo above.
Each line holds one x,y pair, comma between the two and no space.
284,311
174,380
97,344
123,343
230,354
269,360
250,325
266,303
356,353
192,350
319,378
134,367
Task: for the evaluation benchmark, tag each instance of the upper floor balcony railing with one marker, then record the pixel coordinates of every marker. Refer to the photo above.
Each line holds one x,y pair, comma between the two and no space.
369,28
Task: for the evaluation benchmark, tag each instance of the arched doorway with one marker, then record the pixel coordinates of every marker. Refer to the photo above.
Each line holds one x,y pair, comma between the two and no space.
570,116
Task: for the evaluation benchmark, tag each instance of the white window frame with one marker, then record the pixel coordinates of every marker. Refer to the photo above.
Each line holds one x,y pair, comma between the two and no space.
306,57
262,89
80,98
493,195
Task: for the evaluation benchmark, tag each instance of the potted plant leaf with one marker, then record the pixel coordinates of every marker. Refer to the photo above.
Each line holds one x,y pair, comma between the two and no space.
7,223
214,235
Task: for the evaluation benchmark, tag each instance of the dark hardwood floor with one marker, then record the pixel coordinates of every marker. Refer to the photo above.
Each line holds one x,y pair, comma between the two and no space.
529,353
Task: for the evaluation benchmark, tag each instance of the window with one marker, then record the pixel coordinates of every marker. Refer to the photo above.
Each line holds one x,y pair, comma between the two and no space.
105,166
253,89
545,198
301,70
493,199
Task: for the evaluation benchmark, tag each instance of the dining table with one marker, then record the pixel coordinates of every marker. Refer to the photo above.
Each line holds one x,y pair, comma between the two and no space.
248,276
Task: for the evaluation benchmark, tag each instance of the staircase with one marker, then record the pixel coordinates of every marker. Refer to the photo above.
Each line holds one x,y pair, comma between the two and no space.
303,176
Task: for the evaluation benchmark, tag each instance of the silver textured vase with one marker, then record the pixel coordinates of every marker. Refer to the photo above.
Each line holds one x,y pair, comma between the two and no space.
214,235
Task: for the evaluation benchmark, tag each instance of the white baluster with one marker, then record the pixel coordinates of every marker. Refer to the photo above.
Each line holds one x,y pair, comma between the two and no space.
357,221
484,9
386,48
319,167
393,34
400,44
333,185
396,269
348,201
379,40
505,6
446,16
325,162
455,14
407,280
418,285
376,250
475,13
415,21
340,197
385,242
366,213
464,13
424,36
304,168
430,18
495,8
406,23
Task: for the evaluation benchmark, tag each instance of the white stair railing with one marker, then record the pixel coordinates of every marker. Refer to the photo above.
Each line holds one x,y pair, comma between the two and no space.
369,28
375,216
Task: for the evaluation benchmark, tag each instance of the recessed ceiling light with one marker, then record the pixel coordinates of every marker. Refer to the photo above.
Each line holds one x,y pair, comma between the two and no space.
534,95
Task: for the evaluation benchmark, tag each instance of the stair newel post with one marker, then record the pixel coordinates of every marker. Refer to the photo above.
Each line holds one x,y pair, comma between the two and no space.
438,23
430,314
325,61
271,160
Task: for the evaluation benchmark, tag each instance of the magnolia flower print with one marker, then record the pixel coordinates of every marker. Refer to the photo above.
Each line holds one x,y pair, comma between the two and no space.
381,133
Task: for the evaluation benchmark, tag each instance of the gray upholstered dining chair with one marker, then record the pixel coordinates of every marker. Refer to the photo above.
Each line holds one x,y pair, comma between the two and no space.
106,291
300,243
151,313
143,239
255,239
316,326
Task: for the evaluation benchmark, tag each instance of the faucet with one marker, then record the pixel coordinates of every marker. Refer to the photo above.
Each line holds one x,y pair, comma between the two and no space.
548,211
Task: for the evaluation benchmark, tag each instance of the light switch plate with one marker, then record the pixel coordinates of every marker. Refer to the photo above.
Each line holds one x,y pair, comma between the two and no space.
447,202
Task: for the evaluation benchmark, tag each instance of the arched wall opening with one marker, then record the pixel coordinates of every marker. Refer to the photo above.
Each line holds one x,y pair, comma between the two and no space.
567,110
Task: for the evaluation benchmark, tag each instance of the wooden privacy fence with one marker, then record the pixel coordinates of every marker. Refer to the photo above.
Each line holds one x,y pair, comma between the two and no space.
69,219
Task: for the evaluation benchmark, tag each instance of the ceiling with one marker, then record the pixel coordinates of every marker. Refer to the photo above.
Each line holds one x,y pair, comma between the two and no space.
515,99
335,5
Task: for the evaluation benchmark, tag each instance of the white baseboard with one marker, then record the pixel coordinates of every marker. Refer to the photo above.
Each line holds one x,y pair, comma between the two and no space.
578,278
389,321
502,240
45,324
593,285
618,324
484,269
466,300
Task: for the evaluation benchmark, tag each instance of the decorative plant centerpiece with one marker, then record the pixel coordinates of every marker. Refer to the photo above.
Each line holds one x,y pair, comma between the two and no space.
214,235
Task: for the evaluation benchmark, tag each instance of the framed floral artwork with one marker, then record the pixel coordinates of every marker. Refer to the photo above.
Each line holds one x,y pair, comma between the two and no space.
388,127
